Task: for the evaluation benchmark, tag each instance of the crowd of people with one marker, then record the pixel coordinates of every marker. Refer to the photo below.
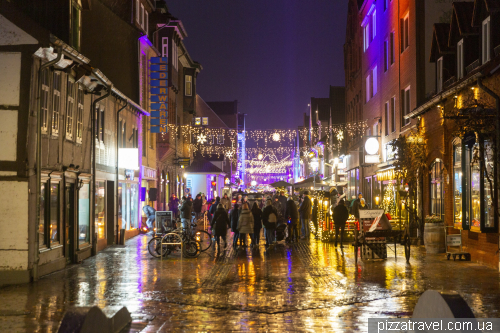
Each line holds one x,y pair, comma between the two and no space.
246,220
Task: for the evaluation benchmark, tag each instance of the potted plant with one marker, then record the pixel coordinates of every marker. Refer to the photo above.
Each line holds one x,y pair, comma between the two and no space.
434,234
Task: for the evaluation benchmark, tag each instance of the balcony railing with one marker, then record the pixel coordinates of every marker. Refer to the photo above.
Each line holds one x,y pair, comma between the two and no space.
449,82
472,66
497,50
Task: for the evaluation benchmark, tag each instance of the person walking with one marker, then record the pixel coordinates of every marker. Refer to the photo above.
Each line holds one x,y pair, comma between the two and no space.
269,219
245,223
257,223
235,214
186,214
340,217
225,202
220,223
355,206
150,213
305,215
314,217
173,205
292,214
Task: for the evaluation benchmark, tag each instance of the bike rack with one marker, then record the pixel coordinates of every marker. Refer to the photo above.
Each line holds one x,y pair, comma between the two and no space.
181,244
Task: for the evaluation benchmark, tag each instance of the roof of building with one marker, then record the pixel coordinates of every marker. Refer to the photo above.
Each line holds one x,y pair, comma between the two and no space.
440,41
204,110
461,20
201,165
222,108
479,14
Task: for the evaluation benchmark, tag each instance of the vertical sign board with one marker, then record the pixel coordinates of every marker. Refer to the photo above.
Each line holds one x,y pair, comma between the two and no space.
159,94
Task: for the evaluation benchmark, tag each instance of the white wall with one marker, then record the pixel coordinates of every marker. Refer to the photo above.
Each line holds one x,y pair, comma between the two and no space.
10,34
198,183
10,78
8,134
14,225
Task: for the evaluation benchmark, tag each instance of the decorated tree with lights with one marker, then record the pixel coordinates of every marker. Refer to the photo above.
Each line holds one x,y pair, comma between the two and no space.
388,201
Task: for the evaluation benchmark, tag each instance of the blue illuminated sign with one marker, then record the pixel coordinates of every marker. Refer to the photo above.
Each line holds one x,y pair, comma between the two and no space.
159,94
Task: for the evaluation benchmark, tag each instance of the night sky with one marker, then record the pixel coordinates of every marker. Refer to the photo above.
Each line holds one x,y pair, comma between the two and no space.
270,55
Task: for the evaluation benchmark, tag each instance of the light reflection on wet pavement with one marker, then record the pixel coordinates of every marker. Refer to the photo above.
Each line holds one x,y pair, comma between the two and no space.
305,287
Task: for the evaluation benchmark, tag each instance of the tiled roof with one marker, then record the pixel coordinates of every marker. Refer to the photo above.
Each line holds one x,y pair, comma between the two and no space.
202,165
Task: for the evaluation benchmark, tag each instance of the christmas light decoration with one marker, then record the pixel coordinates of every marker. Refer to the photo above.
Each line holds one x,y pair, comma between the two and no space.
276,137
388,201
202,138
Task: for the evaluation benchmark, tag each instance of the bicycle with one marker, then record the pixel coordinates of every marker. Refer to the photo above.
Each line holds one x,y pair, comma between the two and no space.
162,246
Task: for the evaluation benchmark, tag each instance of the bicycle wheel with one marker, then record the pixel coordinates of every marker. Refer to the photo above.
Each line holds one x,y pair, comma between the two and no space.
192,249
155,248
204,238
172,241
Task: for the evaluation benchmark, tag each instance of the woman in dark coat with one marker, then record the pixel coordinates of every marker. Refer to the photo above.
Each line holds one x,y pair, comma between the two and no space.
340,217
315,216
220,223
257,223
234,223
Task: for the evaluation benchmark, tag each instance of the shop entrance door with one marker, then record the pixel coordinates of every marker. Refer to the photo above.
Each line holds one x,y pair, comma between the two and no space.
70,228
110,212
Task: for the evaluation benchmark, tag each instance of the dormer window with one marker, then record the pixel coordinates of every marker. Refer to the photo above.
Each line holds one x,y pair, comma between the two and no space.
141,16
369,26
439,74
460,59
75,24
486,33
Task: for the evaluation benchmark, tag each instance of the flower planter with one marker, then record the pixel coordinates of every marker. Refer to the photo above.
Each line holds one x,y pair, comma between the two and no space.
434,238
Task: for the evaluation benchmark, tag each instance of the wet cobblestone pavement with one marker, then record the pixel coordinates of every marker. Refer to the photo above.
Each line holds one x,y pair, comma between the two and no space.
304,287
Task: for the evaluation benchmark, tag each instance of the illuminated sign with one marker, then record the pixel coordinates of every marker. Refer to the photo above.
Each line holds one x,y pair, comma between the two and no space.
128,158
159,94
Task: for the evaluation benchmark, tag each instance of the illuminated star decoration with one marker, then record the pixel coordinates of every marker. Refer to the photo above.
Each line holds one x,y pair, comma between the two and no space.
276,137
340,136
202,138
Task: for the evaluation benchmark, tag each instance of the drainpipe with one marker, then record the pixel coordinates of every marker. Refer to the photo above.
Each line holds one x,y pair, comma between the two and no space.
117,167
38,156
497,144
92,159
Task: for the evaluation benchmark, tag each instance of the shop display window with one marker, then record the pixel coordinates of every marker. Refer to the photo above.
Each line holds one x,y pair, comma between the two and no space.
54,213
84,215
41,224
100,209
457,186
489,208
128,205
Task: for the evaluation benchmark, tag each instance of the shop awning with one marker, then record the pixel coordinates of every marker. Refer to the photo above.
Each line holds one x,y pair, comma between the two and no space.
386,174
311,182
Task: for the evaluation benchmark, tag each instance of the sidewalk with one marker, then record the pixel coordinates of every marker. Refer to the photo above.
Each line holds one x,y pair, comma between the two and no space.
303,287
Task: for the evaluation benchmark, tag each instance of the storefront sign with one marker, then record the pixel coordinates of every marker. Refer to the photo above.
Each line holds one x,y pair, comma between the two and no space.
159,94
370,159
454,240
390,152
164,220
372,148
128,158
148,173
370,213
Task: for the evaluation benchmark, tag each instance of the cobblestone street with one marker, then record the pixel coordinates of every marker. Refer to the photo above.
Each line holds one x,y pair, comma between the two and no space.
302,287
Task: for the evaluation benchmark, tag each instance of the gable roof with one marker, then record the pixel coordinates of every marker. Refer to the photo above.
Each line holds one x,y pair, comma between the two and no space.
440,41
461,22
487,5
201,165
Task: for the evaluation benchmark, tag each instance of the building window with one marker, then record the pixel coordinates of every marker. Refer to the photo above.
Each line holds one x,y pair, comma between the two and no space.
374,83
174,56
391,44
136,138
405,33
146,21
54,213
197,121
204,121
100,209
120,134
387,118
405,106
164,47
374,24
56,102
366,36
460,59
486,40
489,186
436,188
188,82
457,185
79,115
386,4
220,139
99,123
44,103
83,215
386,55
368,91
439,74
141,16
75,25
137,11
393,114
70,110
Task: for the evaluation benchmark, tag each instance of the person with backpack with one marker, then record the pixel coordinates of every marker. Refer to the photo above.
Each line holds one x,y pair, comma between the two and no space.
245,224
269,219
220,223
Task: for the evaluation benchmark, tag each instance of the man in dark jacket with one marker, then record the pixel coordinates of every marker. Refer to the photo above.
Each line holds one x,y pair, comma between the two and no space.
292,214
355,206
282,199
186,213
220,223
173,205
235,215
305,215
269,219
197,203
340,217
